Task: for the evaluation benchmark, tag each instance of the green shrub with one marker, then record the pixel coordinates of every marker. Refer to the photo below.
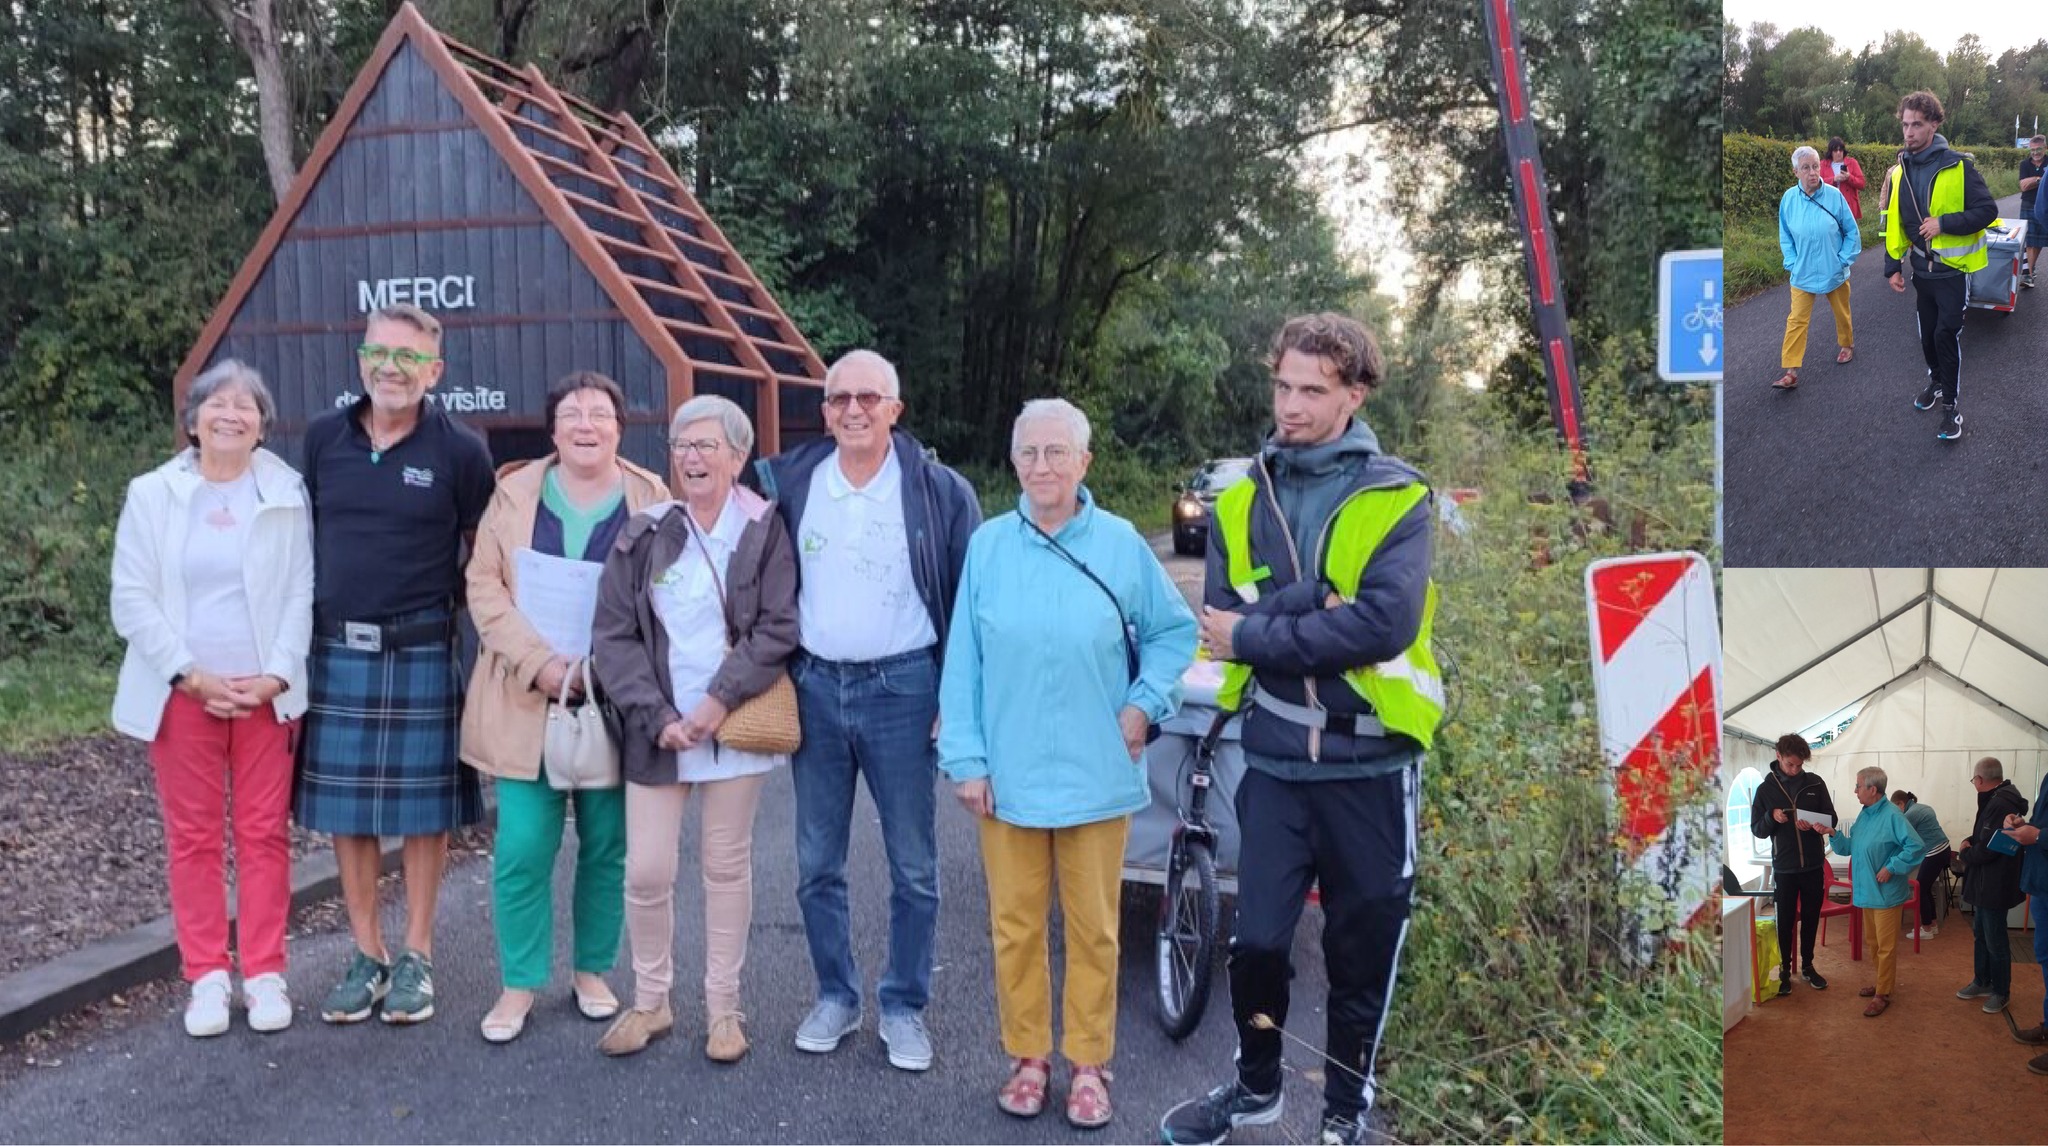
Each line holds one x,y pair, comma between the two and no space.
65,484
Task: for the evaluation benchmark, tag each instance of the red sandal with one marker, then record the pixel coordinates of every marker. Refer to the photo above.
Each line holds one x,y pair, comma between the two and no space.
1788,381
1088,1098
1024,1094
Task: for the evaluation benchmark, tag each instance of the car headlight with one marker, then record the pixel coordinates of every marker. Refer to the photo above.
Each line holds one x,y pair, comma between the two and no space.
1188,509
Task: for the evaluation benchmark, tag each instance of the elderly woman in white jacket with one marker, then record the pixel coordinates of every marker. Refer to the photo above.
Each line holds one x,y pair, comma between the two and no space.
213,591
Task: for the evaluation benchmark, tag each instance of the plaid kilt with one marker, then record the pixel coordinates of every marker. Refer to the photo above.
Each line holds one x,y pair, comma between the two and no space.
377,755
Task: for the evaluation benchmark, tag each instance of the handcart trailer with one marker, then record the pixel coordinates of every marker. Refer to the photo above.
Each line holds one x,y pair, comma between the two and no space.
1997,285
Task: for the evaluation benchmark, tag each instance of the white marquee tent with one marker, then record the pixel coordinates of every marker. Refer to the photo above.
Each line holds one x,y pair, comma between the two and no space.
1947,665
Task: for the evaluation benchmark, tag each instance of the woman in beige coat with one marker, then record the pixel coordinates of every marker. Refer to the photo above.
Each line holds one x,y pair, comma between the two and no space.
572,504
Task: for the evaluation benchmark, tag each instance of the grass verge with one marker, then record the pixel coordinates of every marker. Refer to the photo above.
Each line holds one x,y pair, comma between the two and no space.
1520,1014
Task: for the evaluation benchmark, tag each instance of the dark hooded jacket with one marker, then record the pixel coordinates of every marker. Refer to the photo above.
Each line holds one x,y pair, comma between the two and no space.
1990,879
1918,170
1792,850
1291,641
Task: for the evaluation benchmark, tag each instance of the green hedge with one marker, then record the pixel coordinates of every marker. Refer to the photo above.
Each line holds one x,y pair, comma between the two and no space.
1756,171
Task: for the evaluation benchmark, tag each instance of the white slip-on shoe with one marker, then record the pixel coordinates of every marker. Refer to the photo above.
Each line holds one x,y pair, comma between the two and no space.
270,1007
206,1013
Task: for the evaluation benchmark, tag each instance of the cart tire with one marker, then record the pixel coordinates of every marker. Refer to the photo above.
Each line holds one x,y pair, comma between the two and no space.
1190,922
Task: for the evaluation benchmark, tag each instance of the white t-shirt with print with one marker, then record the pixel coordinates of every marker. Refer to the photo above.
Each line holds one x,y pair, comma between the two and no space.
858,600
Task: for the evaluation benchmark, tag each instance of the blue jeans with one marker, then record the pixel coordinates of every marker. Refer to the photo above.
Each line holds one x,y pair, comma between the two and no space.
1993,950
872,719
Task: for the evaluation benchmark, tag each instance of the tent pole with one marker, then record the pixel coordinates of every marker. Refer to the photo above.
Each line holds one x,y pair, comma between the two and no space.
1795,674
1981,623
1923,662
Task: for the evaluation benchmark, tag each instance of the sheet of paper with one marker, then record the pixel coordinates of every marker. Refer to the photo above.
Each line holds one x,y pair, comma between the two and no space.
558,597
1821,819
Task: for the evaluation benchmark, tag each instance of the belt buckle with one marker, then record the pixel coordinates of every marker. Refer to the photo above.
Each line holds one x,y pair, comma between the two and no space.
362,636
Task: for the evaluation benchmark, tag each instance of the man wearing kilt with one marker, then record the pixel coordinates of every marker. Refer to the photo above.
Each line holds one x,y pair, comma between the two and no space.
397,487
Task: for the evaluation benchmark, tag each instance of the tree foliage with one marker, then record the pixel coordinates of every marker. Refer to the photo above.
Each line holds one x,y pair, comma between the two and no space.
1799,84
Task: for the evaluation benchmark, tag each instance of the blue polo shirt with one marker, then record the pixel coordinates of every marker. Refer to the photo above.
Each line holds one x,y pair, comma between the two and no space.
387,534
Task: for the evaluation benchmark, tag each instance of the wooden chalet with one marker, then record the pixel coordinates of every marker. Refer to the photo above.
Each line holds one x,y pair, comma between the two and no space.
545,234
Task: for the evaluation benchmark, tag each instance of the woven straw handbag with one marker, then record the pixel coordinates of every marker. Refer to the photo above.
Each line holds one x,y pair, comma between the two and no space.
766,723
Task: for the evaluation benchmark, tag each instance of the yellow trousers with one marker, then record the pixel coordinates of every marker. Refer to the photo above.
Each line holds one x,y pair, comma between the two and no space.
1802,314
1881,928
1021,864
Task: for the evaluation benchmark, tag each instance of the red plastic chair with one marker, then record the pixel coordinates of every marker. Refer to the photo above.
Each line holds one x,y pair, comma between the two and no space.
1829,907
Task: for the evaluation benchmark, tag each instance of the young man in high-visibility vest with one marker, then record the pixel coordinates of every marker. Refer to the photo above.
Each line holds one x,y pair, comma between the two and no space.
1319,602
1937,208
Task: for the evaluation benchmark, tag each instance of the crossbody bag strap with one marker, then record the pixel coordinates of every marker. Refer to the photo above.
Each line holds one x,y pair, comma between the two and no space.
1123,623
717,583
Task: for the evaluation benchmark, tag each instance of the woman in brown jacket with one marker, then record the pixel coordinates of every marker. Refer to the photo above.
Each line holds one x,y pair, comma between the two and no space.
696,614
573,503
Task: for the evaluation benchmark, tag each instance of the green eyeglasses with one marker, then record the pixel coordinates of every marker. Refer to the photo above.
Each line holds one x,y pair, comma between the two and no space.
373,355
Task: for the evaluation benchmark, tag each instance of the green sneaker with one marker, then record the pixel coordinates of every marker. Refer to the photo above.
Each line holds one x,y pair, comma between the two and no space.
353,1000
412,990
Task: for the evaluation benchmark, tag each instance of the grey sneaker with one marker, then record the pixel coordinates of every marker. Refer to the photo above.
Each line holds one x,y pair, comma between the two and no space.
1974,990
356,996
412,990
1210,1118
1994,1004
910,1045
827,1023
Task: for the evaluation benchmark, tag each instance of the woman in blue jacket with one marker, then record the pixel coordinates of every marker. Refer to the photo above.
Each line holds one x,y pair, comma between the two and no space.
1068,642
1818,236
1883,851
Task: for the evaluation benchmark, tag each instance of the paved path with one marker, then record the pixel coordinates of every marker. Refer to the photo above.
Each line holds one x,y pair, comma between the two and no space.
440,1082
1844,471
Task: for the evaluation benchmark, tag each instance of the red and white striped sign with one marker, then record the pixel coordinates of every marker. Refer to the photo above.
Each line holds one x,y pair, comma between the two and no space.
1657,677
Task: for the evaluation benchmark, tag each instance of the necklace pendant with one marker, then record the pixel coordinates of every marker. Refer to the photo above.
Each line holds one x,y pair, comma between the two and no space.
376,456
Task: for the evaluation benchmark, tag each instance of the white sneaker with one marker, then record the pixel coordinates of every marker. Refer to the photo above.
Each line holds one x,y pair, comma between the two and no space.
207,1012
270,1008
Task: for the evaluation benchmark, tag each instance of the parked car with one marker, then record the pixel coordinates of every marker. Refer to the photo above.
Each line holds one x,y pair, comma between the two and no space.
1192,502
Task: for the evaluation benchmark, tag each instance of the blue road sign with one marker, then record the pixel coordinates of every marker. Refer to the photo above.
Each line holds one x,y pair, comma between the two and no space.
1689,346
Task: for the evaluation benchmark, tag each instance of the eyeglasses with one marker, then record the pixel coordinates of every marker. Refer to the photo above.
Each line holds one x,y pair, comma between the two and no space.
373,355
1055,456
868,400
598,417
703,447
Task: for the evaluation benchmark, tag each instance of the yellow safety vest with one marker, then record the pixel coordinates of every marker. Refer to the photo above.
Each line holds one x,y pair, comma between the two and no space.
1966,253
1406,692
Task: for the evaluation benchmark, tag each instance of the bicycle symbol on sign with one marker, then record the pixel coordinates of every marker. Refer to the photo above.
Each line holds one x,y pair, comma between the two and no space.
1703,316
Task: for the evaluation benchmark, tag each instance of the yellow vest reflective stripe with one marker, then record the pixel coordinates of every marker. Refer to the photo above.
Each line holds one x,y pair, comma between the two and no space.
1963,252
1406,692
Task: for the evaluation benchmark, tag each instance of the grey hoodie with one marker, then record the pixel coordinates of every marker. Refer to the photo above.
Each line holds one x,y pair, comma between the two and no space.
1920,168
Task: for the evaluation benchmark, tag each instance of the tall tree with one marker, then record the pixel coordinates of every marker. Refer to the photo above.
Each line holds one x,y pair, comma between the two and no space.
258,30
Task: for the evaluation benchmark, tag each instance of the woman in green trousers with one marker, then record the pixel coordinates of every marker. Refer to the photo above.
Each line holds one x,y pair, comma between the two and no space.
572,505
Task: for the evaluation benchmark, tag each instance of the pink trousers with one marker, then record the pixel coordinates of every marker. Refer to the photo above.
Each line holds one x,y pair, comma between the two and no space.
654,824
202,762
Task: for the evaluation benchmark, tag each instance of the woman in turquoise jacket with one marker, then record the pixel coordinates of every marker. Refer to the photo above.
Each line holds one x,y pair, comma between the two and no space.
1883,850
1818,236
1068,642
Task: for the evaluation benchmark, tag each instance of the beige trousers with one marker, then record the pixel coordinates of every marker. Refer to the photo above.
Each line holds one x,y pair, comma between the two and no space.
654,826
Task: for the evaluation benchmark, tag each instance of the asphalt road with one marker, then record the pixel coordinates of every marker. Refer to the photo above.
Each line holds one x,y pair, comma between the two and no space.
1844,471
439,1082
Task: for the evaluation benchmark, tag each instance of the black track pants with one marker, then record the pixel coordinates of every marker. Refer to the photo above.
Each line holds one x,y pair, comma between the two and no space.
1939,302
1356,838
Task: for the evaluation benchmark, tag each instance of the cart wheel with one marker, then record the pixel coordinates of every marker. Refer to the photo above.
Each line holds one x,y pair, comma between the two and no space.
1190,914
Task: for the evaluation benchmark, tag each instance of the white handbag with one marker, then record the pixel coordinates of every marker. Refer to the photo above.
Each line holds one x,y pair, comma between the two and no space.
576,751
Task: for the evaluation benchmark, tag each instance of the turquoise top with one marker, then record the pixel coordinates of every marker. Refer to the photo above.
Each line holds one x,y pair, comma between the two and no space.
1881,838
1035,669
1818,237
578,522
1927,826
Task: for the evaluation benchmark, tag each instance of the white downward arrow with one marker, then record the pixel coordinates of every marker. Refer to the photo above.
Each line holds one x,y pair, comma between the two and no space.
1707,350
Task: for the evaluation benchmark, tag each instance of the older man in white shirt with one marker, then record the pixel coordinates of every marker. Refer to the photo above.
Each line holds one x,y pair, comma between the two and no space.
881,534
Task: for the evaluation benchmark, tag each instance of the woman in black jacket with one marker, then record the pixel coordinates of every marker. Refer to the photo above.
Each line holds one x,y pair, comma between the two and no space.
1798,856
